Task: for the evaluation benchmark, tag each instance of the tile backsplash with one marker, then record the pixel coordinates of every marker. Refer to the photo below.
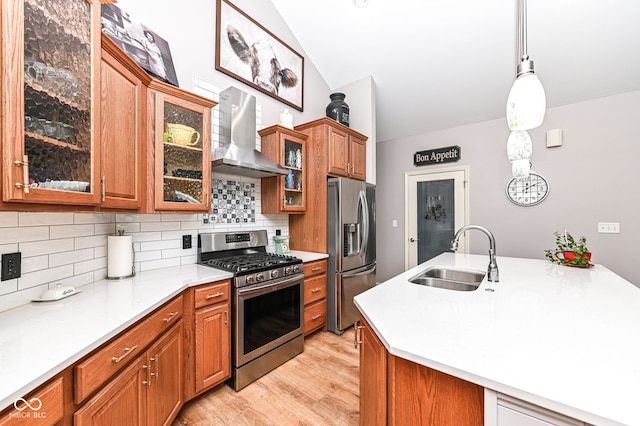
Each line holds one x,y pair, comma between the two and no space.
70,248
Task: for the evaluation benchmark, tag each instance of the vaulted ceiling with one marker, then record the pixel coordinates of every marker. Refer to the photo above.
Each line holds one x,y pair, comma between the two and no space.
441,64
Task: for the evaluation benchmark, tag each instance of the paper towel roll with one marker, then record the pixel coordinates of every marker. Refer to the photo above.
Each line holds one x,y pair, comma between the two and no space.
119,256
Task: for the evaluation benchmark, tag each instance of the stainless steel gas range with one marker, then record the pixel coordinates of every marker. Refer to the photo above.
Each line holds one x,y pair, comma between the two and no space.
267,301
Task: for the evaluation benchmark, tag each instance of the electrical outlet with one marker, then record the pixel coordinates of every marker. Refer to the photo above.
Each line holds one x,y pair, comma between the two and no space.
608,227
11,266
186,241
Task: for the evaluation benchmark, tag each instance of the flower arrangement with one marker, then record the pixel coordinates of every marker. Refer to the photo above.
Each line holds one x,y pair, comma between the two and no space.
569,251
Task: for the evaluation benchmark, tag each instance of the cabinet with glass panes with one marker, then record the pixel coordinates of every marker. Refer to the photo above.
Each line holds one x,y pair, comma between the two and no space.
182,135
50,110
287,193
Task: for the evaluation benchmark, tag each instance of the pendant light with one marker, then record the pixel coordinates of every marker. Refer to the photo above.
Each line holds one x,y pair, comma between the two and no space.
526,103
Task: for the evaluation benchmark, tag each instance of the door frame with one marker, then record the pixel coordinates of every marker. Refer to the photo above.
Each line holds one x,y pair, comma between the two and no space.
464,246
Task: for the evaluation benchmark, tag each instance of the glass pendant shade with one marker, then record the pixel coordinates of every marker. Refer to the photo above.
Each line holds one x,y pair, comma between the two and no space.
520,168
526,103
519,146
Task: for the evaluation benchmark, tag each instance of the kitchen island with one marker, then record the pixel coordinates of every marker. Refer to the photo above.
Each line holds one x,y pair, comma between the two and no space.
565,339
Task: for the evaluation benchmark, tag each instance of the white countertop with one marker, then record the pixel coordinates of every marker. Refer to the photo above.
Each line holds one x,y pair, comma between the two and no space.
567,339
40,339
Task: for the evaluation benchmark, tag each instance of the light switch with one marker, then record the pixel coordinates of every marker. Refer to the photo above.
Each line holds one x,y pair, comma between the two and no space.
608,227
394,223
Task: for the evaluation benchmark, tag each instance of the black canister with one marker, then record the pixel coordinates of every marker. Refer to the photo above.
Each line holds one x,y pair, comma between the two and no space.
338,109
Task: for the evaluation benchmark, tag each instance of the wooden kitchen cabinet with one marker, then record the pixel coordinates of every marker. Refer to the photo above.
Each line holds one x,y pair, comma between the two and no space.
373,377
284,194
147,392
181,134
92,372
414,394
315,296
210,361
326,139
46,406
344,148
50,102
123,128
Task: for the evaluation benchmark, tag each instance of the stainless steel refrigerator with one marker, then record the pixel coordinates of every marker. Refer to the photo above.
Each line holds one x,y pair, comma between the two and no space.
351,241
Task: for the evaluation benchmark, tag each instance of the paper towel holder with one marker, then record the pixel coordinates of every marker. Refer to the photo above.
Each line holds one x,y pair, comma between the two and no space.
120,233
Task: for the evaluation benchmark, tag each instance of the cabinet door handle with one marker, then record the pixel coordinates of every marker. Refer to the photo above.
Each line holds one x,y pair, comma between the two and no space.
226,317
127,351
154,359
315,290
316,269
171,316
103,187
316,316
148,381
214,295
357,340
25,174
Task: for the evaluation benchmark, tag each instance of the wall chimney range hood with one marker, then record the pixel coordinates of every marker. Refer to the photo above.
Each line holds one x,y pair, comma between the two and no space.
236,153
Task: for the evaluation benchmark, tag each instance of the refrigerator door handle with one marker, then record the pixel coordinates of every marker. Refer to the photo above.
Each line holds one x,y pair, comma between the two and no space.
365,222
362,271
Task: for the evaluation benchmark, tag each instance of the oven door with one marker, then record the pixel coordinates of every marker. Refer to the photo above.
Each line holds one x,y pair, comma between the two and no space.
266,316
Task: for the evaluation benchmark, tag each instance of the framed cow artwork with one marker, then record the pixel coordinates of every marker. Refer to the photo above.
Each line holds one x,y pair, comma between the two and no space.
248,52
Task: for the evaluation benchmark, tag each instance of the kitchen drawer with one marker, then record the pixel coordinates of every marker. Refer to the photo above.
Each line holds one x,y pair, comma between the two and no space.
45,407
94,371
210,294
315,316
315,289
316,267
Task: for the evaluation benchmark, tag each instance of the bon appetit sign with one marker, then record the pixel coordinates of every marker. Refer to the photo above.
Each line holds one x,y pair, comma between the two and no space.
449,154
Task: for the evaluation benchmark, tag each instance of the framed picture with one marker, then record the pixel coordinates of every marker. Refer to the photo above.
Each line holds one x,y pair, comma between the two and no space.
142,44
248,52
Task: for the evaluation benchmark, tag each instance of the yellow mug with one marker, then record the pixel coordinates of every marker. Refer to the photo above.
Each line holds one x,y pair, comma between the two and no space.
182,135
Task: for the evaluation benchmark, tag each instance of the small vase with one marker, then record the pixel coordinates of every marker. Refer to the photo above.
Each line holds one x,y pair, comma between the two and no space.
338,109
286,119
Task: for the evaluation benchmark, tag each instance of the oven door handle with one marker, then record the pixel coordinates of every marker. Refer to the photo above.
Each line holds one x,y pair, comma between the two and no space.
271,285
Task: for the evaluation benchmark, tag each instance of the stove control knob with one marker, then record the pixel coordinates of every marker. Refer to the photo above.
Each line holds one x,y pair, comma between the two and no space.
288,270
251,279
296,268
275,273
260,277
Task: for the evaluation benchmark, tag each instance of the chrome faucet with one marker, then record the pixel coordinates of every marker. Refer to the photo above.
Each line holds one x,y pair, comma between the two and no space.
492,272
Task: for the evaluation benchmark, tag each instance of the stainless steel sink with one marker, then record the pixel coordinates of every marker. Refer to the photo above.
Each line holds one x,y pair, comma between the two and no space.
449,278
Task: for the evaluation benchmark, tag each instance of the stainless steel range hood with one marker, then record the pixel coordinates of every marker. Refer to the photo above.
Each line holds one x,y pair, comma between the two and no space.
237,153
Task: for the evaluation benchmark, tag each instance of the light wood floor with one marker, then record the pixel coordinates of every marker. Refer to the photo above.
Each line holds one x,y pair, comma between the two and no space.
318,387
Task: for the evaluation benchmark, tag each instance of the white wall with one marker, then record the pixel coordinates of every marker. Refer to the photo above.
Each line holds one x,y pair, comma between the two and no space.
189,27
593,178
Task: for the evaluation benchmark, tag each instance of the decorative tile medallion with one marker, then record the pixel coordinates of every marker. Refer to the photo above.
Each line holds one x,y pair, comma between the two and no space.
234,201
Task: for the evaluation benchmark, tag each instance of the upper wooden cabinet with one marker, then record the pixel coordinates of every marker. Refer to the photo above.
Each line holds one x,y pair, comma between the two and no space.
287,193
345,148
181,134
50,102
122,129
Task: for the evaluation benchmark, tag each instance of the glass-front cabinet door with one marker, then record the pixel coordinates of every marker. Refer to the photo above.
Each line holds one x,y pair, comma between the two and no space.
50,66
183,151
287,193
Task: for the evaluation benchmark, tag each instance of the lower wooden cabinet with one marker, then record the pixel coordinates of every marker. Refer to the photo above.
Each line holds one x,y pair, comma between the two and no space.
208,346
44,407
315,296
147,392
213,346
414,394
373,377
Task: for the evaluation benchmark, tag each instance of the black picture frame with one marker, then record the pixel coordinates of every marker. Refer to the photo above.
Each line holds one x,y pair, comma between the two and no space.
241,43
141,43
